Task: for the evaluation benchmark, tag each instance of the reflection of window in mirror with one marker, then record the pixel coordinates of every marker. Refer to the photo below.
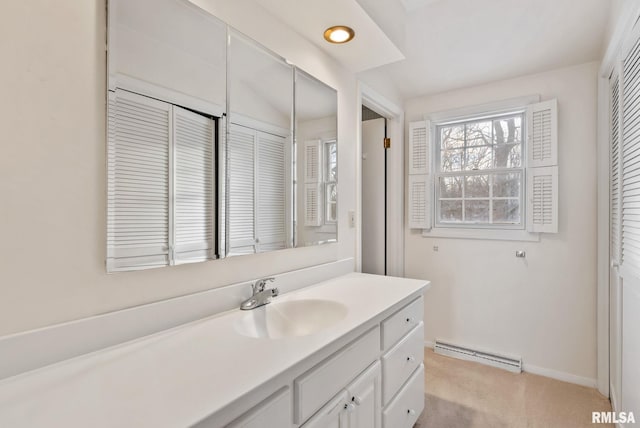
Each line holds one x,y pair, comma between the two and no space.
316,134
330,181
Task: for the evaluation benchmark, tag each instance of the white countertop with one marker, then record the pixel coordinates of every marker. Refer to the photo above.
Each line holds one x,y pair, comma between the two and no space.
177,377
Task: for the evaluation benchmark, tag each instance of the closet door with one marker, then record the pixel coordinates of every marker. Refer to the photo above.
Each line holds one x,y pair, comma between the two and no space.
139,135
615,158
241,154
630,255
194,193
271,193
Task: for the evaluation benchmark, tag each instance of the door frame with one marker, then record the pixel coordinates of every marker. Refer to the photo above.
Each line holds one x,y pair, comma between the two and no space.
394,114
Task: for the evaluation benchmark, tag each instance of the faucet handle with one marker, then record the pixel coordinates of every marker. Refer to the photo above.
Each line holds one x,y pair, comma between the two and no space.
258,286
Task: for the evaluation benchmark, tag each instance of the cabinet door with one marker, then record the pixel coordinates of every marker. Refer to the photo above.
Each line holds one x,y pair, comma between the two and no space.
364,396
275,411
333,415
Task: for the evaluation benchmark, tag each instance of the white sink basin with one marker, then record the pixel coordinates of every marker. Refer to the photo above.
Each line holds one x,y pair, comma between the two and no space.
290,318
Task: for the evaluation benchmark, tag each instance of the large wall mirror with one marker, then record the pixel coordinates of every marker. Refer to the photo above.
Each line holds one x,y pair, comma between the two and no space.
316,122
259,147
209,152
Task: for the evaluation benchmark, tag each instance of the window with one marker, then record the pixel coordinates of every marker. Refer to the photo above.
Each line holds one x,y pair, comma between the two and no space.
486,172
479,172
330,181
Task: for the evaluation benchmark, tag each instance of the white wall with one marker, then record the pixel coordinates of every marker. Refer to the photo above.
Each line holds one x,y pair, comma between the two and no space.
542,308
52,167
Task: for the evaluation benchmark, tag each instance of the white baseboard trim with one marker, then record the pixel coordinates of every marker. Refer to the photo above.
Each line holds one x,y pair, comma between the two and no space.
553,374
558,375
29,350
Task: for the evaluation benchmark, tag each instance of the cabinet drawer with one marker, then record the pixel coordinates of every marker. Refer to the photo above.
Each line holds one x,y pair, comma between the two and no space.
400,323
406,407
401,361
317,386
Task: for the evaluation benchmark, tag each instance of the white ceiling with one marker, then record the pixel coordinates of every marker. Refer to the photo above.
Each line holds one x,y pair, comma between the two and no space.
458,43
450,44
311,17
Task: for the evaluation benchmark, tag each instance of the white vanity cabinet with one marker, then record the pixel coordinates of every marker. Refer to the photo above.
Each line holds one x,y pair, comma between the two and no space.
363,371
375,381
357,406
402,366
364,399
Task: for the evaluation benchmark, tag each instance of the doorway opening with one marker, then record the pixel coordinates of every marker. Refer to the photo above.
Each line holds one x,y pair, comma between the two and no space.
374,192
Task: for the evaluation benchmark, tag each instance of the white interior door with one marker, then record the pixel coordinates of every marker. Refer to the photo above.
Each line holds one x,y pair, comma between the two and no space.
373,196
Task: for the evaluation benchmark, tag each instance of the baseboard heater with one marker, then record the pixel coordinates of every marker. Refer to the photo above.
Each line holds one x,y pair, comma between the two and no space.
513,364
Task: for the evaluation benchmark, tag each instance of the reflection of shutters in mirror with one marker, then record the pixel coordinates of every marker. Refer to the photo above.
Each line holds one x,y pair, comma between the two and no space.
241,176
419,201
542,171
313,183
271,193
194,213
138,182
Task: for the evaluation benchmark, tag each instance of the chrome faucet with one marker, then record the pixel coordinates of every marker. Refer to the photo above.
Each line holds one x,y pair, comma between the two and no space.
260,296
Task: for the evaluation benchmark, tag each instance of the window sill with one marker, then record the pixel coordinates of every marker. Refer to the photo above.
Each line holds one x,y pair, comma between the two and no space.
485,234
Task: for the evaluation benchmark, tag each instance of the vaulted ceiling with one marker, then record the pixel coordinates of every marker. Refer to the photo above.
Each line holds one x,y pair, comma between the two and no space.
458,43
428,46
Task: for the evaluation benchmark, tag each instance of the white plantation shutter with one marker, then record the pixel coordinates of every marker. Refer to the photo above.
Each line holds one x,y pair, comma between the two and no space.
312,187
312,198
193,186
241,175
419,149
542,171
542,134
419,201
542,189
271,193
614,190
139,130
418,204
630,256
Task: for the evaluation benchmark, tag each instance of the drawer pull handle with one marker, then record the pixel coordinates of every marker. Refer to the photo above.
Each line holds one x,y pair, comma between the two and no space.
357,400
409,319
410,358
349,407
411,412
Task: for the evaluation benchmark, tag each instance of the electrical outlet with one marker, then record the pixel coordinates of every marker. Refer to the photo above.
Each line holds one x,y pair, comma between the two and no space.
352,218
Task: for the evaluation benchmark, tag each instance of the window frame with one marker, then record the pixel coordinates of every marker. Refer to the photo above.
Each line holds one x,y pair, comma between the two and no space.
436,126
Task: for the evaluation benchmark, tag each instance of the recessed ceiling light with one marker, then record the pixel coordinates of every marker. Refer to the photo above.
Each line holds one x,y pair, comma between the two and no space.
339,34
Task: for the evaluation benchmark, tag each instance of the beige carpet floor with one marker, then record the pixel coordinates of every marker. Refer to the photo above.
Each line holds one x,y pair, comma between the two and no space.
463,394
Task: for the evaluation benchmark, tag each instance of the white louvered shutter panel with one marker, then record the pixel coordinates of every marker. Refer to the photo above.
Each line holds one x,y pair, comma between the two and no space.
630,257
614,191
241,175
271,221
542,134
542,189
312,178
194,170
419,201
138,182
542,167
